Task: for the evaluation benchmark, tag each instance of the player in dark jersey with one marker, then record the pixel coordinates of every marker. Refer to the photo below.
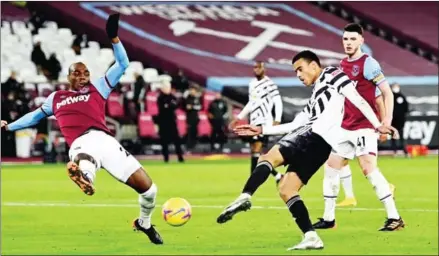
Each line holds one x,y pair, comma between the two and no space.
360,138
80,112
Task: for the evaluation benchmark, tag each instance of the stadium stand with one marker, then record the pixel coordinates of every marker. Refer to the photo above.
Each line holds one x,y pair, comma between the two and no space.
66,23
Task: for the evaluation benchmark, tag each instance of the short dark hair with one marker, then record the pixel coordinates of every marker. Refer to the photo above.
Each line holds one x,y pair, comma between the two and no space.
354,27
307,55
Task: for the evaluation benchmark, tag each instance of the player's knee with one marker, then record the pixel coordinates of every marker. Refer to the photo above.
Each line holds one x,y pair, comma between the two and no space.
368,164
286,192
336,162
274,157
268,158
367,168
140,181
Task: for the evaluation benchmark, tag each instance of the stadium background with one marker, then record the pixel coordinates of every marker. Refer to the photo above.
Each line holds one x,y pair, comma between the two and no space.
210,43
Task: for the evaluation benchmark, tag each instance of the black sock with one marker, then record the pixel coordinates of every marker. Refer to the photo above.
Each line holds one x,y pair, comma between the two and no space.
254,161
300,213
258,177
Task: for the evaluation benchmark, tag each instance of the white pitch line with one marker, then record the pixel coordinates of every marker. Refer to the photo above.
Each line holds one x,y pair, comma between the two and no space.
42,204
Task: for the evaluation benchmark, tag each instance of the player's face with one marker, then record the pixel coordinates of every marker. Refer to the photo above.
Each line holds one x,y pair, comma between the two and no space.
79,76
305,71
352,42
258,69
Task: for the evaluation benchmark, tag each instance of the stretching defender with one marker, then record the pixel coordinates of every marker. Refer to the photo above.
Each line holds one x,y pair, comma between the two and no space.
263,95
80,112
361,139
308,143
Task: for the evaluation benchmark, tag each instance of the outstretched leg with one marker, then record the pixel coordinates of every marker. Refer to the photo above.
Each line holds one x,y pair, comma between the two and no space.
265,165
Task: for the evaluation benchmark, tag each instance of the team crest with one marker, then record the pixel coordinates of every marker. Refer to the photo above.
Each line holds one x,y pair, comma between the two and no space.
84,90
355,70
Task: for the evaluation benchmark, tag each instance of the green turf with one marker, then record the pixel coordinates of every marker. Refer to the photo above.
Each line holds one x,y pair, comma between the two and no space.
52,216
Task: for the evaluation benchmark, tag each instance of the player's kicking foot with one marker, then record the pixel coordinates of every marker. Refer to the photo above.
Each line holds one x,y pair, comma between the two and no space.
323,224
242,203
348,201
152,234
393,225
77,176
311,241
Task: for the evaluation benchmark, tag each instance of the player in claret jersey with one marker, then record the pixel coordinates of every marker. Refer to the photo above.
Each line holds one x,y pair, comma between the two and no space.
80,112
360,138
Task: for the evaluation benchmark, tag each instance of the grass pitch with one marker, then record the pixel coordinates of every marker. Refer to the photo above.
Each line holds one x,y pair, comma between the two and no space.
43,212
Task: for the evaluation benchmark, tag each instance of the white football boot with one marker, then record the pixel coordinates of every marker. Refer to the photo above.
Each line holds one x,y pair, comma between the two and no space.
242,203
311,241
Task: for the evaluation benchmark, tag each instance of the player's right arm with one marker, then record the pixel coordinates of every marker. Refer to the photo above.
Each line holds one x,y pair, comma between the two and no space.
107,83
374,73
31,118
347,88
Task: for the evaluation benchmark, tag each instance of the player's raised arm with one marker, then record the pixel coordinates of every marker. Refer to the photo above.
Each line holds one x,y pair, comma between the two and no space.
373,72
32,118
112,76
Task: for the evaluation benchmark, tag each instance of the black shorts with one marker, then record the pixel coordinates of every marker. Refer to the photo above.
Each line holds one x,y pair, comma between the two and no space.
304,154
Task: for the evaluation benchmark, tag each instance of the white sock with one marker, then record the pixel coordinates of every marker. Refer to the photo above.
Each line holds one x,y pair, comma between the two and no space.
331,187
311,234
89,169
147,204
244,196
346,181
382,189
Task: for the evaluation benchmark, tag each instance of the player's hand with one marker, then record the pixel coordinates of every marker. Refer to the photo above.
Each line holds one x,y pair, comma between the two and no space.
4,123
112,25
248,130
276,123
387,129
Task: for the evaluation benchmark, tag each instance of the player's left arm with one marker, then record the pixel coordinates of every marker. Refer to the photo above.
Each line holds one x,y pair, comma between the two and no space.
107,83
278,105
374,73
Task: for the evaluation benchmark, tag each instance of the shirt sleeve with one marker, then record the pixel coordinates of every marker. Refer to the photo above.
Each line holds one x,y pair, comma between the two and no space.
372,71
298,121
107,83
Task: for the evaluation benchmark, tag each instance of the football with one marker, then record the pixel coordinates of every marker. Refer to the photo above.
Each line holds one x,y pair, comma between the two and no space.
176,211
